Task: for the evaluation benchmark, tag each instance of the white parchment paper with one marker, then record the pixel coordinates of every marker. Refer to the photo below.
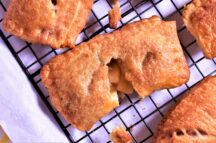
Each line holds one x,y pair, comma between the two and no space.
23,115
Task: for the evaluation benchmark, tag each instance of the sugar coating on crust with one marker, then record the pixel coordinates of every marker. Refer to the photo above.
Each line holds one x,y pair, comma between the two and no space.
199,18
78,81
47,22
193,119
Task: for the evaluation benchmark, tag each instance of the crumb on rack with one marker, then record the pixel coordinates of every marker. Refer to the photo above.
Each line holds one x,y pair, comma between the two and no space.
120,135
115,14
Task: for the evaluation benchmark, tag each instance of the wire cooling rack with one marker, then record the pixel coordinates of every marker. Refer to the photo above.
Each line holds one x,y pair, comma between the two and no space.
140,117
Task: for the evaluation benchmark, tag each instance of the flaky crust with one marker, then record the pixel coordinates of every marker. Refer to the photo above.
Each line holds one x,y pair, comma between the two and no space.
41,21
199,18
193,120
149,52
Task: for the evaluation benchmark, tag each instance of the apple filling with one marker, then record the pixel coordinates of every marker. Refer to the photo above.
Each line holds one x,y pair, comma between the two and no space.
117,78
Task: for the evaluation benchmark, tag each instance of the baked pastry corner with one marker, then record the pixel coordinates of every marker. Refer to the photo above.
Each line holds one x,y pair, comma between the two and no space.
199,17
193,120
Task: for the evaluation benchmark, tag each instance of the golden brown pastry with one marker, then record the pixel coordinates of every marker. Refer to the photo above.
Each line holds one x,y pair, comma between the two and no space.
193,120
83,83
120,135
115,14
199,18
52,22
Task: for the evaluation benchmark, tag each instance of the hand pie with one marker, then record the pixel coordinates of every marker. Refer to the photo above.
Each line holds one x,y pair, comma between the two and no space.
51,22
193,120
145,55
199,18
